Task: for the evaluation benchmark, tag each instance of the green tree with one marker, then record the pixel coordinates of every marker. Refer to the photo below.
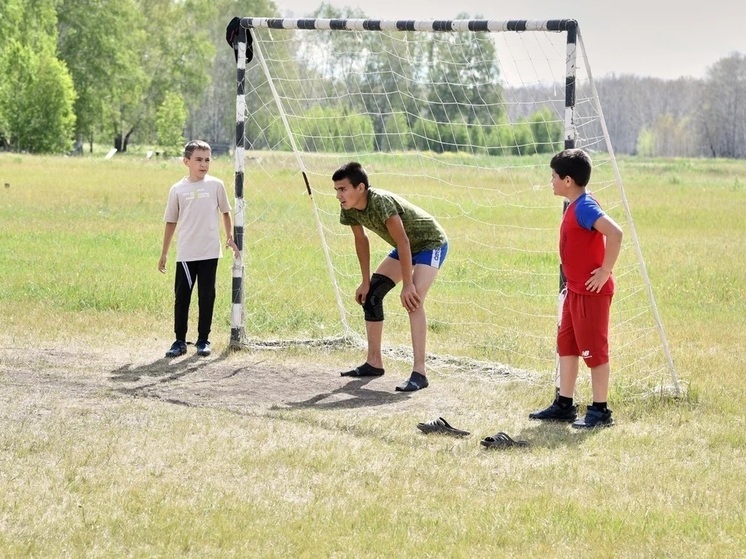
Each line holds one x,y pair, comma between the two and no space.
463,77
37,100
36,92
546,131
174,57
316,131
277,137
454,136
511,138
395,135
213,115
128,55
355,132
101,42
427,136
389,84
171,119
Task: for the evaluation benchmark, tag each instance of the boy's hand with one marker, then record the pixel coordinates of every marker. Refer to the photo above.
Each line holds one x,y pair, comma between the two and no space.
230,243
598,279
410,300
162,265
362,292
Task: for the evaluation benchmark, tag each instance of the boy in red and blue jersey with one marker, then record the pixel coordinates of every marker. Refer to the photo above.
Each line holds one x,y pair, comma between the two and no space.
589,245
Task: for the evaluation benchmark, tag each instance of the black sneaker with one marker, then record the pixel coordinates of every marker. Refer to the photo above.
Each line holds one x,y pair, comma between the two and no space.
594,418
555,412
203,348
177,348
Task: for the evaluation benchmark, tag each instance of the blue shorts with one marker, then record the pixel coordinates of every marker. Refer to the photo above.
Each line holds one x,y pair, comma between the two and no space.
433,258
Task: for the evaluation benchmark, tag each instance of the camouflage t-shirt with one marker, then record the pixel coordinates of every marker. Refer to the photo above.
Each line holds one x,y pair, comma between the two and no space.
424,232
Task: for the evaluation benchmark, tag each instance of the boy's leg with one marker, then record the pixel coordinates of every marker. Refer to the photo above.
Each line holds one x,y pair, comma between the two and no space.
600,382
563,408
598,414
593,341
390,268
423,277
373,365
569,367
374,335
206,274
567,344
595,336
183,285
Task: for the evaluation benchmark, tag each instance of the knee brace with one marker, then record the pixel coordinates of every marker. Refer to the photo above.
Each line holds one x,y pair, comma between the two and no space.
373,306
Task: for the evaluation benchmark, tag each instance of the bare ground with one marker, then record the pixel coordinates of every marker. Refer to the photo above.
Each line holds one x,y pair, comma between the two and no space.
243,381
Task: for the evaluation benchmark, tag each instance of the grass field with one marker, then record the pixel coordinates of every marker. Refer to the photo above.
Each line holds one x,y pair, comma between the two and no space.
107,450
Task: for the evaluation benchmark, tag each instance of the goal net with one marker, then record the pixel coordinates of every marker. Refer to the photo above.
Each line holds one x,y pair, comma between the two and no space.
460,117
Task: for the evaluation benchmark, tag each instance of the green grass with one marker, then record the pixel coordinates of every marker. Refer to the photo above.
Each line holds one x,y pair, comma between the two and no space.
92,466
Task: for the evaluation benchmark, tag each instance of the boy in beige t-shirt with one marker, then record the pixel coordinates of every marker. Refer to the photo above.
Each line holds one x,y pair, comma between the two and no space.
194,205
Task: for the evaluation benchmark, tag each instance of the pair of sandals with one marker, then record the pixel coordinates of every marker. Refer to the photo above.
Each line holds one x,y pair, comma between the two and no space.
499,440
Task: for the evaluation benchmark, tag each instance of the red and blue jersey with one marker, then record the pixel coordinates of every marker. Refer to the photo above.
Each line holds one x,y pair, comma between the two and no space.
581,247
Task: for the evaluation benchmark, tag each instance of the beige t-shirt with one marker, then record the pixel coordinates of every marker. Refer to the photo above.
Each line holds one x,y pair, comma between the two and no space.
196,208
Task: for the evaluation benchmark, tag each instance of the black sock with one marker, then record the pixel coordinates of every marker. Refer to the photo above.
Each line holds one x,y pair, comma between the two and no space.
600,406
564,401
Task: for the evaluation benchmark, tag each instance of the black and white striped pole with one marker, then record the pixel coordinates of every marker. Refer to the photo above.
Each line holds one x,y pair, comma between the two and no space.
237,36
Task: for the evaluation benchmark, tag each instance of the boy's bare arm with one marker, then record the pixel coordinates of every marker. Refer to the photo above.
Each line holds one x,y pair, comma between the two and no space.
613,234
362,250
168,235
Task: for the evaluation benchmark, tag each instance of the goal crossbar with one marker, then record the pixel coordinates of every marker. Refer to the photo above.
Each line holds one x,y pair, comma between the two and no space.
433,25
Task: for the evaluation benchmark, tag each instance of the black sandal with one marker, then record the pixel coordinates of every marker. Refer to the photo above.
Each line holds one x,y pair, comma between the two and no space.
501,440
440,425
363,370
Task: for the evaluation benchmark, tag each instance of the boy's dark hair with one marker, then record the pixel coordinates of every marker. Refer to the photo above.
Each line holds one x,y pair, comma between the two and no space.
353,172
193,146
574,163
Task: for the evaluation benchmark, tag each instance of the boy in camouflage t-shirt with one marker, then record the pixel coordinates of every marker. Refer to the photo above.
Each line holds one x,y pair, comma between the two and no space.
420,247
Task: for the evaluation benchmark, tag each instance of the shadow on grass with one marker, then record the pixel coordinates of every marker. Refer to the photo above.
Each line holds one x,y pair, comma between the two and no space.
350,396
163,371
555,435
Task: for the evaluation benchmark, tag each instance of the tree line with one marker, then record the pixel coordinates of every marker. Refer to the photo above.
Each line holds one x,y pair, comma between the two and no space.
155,72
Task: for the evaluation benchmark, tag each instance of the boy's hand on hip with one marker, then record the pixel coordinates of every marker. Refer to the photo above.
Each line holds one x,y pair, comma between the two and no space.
410,300
598,279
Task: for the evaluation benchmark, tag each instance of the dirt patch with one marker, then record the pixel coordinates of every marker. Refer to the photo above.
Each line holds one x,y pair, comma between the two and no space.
240,381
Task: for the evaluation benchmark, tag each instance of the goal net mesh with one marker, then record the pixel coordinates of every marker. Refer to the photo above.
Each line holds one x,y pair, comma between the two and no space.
462,124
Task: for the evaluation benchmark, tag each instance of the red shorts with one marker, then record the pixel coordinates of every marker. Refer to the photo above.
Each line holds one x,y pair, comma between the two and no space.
584,330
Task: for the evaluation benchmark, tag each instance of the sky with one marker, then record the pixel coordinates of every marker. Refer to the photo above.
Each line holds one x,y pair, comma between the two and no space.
665,39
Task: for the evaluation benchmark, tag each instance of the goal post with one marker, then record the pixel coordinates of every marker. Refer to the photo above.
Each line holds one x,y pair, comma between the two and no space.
460,117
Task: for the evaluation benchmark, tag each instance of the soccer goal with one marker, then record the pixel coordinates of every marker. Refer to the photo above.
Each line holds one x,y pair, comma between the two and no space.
461,117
